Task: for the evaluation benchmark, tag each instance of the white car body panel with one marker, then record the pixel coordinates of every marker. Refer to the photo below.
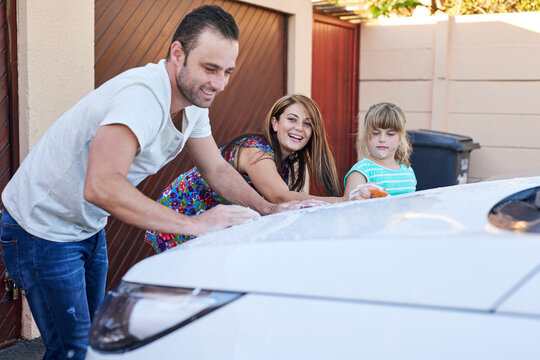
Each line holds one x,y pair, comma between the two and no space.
470,273
318,329
417,276
434,247
526,300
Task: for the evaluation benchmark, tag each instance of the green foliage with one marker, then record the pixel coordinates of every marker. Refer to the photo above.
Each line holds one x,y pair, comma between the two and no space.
468,7
387,7
450,7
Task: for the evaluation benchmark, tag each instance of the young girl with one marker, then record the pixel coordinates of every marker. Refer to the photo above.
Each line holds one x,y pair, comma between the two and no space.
385,150
273,163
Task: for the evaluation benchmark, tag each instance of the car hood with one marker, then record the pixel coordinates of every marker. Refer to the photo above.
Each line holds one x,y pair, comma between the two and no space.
430,248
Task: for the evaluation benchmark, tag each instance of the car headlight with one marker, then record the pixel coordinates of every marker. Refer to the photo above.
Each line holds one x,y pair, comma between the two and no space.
135,314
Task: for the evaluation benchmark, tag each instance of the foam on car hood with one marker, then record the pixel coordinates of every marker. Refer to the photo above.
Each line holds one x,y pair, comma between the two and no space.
430,248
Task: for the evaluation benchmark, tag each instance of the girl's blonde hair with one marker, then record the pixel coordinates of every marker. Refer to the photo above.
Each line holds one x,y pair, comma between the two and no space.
386,116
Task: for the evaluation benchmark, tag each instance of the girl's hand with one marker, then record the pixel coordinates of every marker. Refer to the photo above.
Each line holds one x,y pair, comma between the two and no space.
362,191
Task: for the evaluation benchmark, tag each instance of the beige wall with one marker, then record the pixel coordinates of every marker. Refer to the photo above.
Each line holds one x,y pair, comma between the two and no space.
55,42
472,75
55,50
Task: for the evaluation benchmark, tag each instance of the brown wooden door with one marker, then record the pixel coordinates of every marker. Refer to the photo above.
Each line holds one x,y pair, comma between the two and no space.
335,85
10,311
132,33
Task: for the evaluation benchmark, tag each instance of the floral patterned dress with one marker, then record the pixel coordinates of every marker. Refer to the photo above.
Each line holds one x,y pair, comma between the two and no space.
189,194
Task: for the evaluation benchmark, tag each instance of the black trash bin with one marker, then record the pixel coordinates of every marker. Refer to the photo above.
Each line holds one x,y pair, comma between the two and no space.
440,158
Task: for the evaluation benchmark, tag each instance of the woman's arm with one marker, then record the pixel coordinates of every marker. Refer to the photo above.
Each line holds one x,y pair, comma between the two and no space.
262,171
222,178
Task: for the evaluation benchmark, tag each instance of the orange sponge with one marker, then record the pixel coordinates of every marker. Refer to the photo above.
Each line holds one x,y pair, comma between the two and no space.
377,193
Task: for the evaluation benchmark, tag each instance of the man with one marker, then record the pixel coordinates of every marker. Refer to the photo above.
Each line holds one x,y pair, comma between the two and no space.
87,166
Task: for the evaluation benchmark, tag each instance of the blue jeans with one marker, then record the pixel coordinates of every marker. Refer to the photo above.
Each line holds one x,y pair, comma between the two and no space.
64,284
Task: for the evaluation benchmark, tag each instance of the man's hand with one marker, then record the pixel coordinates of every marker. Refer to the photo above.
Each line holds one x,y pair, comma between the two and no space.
296,204
363,191
223,216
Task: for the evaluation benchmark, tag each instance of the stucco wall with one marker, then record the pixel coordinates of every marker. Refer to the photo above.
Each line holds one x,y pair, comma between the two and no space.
55,49
472,75
55,43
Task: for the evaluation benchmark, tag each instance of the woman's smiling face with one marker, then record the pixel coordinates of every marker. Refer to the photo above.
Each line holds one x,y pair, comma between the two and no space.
293,129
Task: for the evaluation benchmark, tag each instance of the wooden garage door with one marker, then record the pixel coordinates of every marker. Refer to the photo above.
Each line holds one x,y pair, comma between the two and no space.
335,83
10,311
131,33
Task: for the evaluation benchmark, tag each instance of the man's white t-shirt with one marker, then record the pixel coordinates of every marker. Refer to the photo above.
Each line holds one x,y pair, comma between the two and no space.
45,196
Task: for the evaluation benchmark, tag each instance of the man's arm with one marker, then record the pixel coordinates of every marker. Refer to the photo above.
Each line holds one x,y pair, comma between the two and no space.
223,178
111,154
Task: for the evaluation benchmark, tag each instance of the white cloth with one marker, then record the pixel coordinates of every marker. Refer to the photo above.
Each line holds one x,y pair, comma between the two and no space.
45,196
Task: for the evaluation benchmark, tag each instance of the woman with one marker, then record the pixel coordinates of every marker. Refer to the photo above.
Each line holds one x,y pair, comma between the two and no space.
293,139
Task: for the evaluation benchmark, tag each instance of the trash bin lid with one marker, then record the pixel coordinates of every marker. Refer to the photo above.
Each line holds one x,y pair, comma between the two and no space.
440,139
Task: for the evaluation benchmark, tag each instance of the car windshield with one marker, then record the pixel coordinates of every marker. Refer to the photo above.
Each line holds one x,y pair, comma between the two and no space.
518,212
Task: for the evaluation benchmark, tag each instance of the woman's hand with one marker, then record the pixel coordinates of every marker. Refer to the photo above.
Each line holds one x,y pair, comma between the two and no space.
297,204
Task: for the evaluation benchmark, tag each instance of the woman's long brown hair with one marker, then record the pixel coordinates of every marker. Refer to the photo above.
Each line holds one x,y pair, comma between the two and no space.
316,155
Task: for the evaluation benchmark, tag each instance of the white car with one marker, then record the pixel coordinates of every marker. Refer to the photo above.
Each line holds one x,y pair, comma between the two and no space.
448,273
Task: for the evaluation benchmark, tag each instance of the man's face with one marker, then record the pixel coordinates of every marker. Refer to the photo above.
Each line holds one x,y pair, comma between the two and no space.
206,70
